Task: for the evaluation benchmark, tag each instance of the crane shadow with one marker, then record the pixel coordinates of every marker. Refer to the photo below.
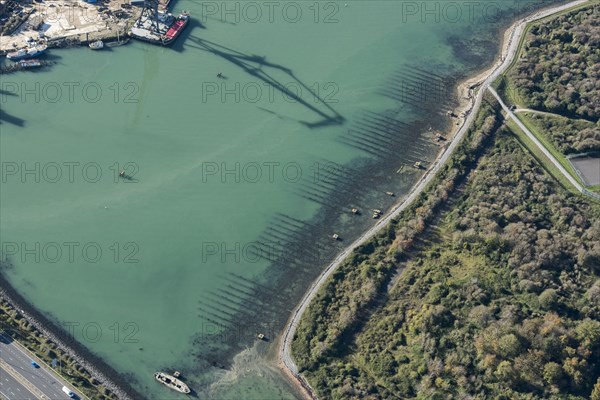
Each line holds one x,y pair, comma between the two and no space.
7,93
6,117
258,67
11,119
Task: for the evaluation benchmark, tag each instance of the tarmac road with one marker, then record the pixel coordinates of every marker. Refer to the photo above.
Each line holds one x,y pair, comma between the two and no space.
19,380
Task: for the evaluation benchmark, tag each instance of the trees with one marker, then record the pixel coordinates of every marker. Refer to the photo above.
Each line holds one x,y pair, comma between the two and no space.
502,297
559,70
596,391
553,374
497,299
548,299
568,135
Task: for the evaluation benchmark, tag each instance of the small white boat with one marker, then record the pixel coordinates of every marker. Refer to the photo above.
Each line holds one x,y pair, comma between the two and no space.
172,382
97,45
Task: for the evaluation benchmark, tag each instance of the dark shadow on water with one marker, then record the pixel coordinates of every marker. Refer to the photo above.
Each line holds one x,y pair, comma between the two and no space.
258,67
6,117
52,57
7,93
276,114
238,307
128,179
179,43
11,119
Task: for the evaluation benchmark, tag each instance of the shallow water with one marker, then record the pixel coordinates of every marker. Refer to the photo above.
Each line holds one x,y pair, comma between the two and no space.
235,185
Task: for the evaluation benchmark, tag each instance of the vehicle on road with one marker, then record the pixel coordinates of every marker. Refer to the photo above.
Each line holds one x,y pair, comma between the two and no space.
35,365
68,392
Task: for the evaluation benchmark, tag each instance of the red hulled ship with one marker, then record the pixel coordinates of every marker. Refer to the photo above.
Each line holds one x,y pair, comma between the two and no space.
176,29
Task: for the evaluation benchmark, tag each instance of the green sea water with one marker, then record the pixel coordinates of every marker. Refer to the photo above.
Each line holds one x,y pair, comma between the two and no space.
152,271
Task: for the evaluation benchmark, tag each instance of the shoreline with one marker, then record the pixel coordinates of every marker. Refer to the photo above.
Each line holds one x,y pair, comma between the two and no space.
100,370
86,24
95,366
468,105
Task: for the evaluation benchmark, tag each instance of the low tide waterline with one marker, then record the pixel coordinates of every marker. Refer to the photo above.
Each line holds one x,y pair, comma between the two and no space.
234,186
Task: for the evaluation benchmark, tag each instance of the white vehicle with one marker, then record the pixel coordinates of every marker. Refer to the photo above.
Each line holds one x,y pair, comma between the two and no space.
68,391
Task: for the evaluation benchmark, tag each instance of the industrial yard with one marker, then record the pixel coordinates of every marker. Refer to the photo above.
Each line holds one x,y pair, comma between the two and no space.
60,23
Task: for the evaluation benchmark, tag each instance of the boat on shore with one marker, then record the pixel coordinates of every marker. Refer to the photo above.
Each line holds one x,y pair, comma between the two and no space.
172,382
97,45
27,52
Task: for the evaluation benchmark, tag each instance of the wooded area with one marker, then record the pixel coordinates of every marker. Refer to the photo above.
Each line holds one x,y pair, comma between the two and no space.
501,298
558,71
489,285
570,136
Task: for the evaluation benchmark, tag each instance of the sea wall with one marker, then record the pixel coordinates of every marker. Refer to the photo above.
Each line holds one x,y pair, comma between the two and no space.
93,365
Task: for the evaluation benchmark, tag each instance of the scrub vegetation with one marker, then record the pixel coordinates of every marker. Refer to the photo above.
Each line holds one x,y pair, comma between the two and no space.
569,136
558,68
499,294
488,286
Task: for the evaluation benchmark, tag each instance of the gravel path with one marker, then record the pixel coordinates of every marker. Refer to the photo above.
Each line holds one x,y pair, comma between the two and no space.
531,136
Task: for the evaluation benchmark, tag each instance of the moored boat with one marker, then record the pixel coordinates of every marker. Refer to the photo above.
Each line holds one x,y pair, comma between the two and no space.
172,382
97,45
25,64
151,29
27,52
117,43
176,29
162,30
